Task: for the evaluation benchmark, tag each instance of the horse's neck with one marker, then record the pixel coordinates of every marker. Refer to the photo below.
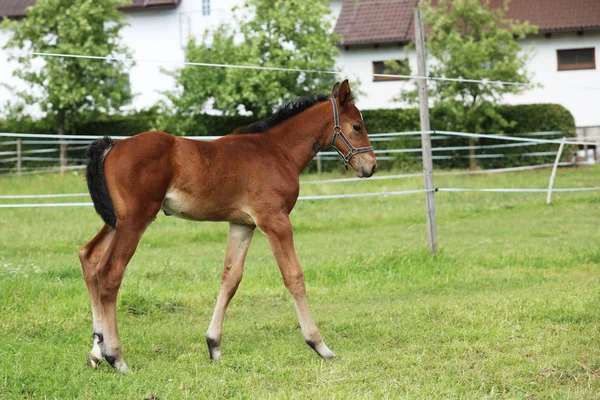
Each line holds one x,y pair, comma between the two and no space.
304,135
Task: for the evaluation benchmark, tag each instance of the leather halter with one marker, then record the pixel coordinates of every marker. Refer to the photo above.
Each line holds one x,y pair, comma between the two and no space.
337,132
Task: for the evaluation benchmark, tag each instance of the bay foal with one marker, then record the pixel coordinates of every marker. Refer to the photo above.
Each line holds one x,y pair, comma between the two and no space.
249,178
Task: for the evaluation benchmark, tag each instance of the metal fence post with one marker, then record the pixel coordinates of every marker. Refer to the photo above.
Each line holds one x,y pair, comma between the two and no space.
19,155
554,168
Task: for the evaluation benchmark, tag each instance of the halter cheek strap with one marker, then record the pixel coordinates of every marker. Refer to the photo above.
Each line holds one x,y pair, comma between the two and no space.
337,132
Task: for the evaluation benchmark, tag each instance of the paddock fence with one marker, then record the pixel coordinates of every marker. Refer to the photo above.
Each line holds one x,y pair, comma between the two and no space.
528,141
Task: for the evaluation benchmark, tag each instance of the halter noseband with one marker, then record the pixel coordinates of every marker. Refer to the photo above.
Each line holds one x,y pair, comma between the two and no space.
337,132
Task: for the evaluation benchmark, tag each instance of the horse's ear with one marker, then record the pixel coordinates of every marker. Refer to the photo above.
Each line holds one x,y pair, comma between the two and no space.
335,91
345,94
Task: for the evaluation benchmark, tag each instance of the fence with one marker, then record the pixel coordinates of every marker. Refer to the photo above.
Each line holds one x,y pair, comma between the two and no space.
530,140
37,155
26,153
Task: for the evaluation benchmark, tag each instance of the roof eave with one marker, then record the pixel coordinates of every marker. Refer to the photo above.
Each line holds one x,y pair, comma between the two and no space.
373,42
570,29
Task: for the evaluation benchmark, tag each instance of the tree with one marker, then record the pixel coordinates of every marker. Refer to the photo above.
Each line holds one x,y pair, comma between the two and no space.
469,39
271,33
70,89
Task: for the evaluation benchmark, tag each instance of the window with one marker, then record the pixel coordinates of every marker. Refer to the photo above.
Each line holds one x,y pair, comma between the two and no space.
379,67
576,59
205,7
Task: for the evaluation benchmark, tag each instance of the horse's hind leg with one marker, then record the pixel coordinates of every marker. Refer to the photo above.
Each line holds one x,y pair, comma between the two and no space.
238,242
90,255
110,272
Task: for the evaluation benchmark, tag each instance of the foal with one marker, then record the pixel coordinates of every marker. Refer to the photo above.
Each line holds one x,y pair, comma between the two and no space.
249,178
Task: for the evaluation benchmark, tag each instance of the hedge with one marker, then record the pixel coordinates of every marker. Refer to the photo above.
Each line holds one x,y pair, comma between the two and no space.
527,118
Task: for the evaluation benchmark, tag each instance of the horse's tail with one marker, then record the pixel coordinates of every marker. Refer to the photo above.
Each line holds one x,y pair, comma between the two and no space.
96,180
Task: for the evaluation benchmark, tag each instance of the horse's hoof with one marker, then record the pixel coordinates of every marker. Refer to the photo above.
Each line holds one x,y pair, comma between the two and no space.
92,361
124,369
215,355
328,356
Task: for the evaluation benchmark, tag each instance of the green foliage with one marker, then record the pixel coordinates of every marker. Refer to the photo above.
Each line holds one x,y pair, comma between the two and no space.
397,68
67,88
525,118
274,33
470,39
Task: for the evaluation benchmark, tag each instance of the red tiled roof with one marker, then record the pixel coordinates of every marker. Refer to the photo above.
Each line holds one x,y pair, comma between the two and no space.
391,21
555,15
16,8
375,21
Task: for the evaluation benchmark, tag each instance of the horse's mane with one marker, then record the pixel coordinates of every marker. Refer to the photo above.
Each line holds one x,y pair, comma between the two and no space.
282,114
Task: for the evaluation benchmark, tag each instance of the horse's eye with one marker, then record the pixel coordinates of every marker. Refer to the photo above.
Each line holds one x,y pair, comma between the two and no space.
356,127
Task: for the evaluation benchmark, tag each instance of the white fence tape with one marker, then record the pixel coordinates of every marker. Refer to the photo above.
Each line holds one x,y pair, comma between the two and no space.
263,68
31,205
349,195
444,173
42,196
503,137
517,190
375,135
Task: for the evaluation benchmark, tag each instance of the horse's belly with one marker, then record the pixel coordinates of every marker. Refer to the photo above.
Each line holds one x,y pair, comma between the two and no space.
184,206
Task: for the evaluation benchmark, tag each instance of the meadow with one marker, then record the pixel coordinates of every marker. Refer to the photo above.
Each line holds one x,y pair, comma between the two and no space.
509,308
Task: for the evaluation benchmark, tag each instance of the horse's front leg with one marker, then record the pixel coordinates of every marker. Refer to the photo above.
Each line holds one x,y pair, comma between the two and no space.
278,230
238,241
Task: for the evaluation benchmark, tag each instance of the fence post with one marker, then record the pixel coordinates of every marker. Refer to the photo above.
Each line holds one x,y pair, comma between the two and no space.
319,165
554,168
19,155
426,134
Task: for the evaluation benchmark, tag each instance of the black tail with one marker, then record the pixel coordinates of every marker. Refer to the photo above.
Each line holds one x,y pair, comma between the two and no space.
97,182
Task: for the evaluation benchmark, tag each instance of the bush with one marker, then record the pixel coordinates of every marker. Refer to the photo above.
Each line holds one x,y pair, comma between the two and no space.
525,118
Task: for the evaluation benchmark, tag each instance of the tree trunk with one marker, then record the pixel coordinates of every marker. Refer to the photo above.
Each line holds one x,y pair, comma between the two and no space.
472,159
60,129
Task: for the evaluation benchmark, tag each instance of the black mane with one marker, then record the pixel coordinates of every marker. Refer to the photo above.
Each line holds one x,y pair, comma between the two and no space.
283,113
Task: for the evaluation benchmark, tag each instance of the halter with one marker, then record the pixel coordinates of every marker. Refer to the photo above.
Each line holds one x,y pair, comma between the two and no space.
337,131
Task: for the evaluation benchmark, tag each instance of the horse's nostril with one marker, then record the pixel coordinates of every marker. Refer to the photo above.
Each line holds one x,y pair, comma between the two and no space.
374,168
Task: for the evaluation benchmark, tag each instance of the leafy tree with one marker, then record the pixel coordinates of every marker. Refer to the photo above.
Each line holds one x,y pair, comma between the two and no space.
270,33
70,89
470,39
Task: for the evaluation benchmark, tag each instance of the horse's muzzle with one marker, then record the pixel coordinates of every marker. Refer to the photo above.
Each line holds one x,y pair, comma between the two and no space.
367,174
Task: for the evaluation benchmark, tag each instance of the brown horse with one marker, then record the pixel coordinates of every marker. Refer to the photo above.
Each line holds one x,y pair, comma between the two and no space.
249,178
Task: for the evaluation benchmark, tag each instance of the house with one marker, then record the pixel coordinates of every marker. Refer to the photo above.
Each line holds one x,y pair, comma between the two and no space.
563,52
157,30
372,31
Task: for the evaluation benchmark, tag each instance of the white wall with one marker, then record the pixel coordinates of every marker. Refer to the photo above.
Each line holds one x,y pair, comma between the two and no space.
357,63
163,35
562,87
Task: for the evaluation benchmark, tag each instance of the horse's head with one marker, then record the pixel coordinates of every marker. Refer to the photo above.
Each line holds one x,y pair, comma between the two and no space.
350,138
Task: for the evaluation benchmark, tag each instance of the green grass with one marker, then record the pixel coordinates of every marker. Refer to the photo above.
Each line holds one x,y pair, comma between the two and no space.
509,308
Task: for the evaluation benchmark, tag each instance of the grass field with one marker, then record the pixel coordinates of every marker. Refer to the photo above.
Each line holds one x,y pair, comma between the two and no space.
510,307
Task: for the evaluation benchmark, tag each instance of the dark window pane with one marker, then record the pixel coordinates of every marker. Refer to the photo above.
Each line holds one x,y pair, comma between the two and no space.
568,57
585,56
378,67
